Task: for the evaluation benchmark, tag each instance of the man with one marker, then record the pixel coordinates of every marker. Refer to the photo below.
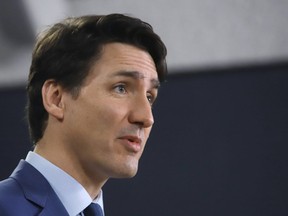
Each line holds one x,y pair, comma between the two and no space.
92,82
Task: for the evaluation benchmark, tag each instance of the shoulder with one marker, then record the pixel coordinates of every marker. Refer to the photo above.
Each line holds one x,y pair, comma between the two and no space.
27,192
13,198
9,187
11,195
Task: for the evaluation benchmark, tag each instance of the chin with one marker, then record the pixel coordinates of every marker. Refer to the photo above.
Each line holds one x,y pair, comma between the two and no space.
126,172
123,176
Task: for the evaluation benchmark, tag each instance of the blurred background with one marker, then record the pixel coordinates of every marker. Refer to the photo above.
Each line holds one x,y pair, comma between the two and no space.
219,144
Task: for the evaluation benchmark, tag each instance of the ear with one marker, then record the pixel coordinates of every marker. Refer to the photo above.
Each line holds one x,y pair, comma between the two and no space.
52,96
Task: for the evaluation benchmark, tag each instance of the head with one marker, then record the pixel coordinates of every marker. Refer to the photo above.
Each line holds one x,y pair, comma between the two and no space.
66,51
103,72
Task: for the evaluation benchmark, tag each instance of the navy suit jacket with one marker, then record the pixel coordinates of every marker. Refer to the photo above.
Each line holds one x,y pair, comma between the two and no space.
26,192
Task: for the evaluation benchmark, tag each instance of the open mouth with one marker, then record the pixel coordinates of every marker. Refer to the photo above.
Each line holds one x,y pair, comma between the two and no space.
132,143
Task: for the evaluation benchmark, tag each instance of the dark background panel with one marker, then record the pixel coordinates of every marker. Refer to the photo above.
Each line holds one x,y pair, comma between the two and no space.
14,139
218,147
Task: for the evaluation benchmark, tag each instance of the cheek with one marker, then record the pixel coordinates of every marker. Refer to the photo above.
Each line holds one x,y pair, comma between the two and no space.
103,116
108,114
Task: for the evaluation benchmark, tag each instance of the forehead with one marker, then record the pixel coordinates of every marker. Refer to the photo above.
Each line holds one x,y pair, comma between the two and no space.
117,57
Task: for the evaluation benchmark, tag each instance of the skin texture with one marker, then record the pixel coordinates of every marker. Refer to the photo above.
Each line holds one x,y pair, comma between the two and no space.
102,133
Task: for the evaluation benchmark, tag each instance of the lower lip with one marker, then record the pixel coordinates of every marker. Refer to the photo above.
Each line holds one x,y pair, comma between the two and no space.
131,146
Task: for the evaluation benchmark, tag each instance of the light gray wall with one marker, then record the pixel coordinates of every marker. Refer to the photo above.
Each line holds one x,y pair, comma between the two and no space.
198,34
211,32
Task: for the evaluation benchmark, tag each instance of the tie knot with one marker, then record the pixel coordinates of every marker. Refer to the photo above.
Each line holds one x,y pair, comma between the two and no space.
93,210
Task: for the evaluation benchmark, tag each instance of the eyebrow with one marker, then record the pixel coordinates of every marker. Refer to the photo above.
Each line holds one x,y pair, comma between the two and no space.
137,75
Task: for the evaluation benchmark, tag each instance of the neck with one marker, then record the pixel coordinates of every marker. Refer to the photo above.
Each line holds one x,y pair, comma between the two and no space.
71,165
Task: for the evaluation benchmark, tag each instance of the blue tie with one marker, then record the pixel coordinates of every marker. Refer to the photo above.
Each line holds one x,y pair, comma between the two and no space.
93,210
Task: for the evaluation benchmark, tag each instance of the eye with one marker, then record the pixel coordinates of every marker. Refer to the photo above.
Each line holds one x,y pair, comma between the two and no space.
150,98
120,88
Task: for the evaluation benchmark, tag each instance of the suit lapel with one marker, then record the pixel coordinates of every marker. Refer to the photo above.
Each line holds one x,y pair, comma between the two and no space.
37,190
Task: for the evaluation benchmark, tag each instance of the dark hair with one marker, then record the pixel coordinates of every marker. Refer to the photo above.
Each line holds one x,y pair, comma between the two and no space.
66,51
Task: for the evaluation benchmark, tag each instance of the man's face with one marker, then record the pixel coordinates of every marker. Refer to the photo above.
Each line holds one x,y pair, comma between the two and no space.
107,126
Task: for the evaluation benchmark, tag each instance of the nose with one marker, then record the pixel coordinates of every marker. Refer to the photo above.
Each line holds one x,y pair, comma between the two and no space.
141,112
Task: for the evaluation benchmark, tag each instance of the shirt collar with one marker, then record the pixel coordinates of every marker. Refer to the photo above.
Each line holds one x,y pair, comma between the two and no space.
71,193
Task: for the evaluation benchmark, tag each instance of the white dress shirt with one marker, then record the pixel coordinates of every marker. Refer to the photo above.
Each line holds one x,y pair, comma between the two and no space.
71,193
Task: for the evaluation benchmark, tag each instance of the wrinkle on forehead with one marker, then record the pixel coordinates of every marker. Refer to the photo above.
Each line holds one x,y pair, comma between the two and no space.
129,55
